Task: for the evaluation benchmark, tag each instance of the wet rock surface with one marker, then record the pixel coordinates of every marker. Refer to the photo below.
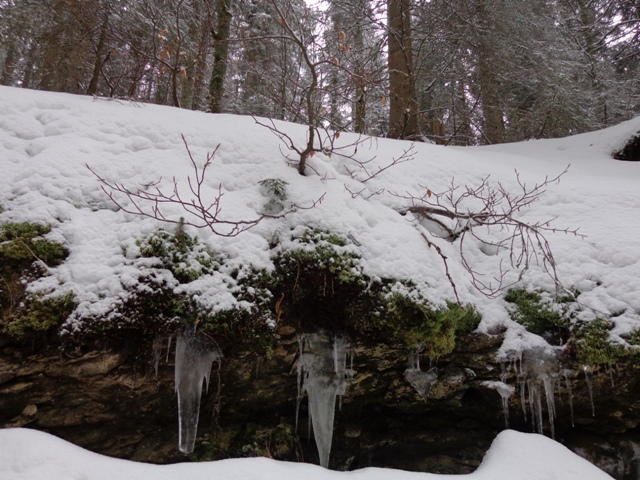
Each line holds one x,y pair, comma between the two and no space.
112,404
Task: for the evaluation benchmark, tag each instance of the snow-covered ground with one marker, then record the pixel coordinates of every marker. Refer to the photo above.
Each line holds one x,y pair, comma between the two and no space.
47,140
31,455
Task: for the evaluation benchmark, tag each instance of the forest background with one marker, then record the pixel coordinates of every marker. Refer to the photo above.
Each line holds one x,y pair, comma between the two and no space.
463,72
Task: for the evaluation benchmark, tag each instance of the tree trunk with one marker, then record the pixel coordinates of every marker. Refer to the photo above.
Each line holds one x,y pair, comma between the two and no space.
488,81
220,54
403,108
98,61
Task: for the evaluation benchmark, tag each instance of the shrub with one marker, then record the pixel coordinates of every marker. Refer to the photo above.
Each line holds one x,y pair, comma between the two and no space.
40,314
323,285
594,346
531,311
183,282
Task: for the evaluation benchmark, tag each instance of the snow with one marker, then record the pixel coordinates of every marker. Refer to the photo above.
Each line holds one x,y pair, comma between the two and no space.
48,139
30,455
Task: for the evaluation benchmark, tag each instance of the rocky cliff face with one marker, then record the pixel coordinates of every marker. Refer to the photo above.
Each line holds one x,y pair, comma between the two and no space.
113,403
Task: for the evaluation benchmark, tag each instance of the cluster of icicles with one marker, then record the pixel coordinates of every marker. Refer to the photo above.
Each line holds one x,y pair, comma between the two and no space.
538,372
325,369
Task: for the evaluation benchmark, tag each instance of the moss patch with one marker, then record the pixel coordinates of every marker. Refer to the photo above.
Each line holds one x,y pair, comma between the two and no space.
594,346
183,282
25,256
323,285
536,314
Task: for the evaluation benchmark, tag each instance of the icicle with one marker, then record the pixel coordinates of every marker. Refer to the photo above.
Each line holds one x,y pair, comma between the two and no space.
549,390
421,381
523,392
323,376
587,377
505,391
168,348
570,394
157,353
539,369
195,354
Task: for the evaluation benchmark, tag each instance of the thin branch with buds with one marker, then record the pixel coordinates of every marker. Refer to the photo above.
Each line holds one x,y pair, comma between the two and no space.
492,207
150,201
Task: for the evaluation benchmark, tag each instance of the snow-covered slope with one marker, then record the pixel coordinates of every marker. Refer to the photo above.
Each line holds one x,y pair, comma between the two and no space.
30,455
47,140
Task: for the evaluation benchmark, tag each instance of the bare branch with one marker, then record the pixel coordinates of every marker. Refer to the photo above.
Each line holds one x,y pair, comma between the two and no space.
149,200
457,212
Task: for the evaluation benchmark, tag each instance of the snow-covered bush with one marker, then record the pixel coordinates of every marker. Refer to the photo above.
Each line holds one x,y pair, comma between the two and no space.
181,282
323,285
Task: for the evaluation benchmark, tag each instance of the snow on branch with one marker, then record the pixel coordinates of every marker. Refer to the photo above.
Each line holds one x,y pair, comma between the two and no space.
150,201
459,212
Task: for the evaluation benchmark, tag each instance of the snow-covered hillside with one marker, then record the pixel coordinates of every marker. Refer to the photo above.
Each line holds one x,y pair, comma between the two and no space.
47,140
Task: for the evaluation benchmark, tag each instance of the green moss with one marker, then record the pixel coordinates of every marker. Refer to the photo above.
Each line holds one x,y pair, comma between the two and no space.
40,314
534,313
165,296
594,346
183,255
24,257
21,244
433,328
323,286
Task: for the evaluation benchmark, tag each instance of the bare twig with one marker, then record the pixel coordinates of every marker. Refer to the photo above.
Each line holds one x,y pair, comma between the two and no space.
491,207
149,200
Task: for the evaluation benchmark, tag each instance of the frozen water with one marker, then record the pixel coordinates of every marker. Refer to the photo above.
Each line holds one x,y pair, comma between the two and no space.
421,381
566,374
195,354
505,391
539,372
587,377
323,375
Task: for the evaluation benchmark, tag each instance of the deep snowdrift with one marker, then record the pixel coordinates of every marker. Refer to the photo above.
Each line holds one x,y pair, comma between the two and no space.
30,455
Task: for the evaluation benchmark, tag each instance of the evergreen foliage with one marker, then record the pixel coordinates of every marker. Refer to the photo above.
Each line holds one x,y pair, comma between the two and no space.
535,314
630,151
323,285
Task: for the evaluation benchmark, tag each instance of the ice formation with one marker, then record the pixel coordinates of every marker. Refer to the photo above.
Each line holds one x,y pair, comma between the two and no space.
539,371
566,373
505,391
195,354
421,381
587,377
323,375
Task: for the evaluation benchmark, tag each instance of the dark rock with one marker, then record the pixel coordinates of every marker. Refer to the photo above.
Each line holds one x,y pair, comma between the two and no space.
109,404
